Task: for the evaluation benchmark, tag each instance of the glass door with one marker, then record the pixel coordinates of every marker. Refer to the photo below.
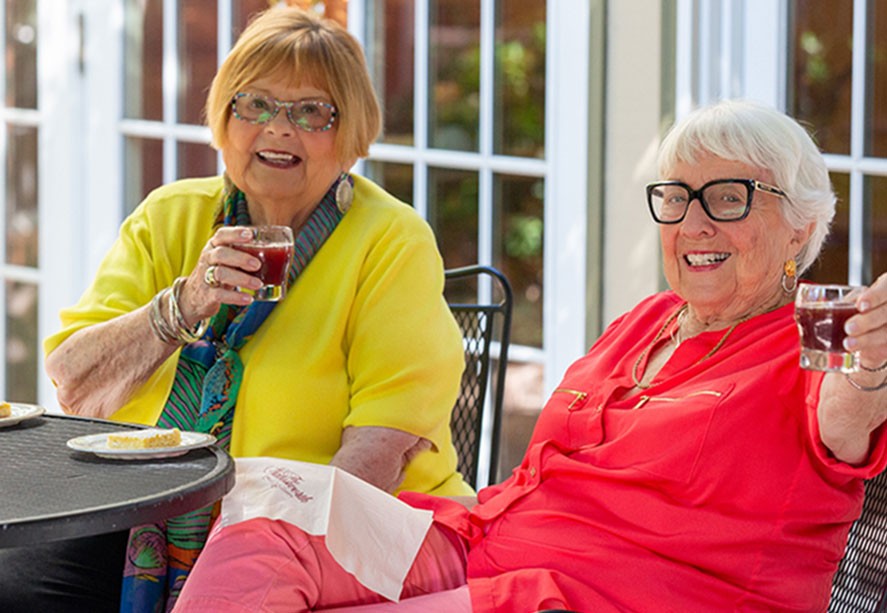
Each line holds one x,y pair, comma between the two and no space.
473,105
827,69
837,83
20,222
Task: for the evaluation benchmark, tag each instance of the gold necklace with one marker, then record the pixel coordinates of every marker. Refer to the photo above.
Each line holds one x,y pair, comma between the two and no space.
668,322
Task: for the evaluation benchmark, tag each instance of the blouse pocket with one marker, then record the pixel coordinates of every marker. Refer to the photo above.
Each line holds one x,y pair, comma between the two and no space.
660,435
666,400
553,422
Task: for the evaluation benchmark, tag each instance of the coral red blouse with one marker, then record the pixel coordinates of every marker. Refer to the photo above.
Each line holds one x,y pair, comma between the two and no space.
709,491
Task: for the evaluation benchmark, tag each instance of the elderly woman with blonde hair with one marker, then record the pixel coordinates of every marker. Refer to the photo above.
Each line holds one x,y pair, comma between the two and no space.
358,366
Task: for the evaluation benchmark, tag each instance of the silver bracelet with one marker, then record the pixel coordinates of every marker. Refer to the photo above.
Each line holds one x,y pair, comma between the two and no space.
159,324
866,388
184,333
880,368
172,329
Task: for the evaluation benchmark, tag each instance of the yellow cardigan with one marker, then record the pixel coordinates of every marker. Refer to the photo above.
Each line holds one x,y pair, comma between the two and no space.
363,338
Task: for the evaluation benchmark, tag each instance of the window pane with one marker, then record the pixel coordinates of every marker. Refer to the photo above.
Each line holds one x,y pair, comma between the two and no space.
196,160
397,179
22,342
21,53
143,160
876,109
820,71
454,58
243,12
518,251
21,196
452,213
390,56
877,196
520,78
833,263
197,57
143,60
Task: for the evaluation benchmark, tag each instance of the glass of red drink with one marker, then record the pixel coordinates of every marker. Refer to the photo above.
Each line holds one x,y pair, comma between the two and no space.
273,246
821,312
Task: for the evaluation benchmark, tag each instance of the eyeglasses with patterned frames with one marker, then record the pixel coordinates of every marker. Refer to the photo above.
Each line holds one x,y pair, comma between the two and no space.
722,199
307,115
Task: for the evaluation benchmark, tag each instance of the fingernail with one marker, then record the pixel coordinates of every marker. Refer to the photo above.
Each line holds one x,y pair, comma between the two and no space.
863,306
850,343
851,327
246,233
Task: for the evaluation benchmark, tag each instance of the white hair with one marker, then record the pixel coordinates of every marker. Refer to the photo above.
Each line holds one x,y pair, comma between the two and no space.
763,137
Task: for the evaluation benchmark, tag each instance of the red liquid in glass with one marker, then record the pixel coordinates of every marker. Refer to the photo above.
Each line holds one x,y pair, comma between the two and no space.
275,261
822,325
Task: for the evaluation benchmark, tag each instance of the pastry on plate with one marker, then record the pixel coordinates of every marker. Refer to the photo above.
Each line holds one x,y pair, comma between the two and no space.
145,439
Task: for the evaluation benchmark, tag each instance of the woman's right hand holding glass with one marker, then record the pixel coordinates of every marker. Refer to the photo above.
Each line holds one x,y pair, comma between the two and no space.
221,272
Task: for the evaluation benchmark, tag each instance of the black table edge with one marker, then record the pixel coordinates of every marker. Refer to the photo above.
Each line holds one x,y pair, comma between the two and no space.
113,518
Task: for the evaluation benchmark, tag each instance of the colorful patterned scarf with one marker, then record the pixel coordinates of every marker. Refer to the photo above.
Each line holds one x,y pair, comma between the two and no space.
204,391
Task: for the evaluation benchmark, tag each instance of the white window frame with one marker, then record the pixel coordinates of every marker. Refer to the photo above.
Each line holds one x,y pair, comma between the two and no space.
564,170
739,49
58,119
728,49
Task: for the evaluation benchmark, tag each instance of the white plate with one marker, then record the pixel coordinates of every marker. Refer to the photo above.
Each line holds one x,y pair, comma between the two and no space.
98,444
21,412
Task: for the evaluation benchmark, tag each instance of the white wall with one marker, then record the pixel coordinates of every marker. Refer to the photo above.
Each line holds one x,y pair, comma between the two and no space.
631,239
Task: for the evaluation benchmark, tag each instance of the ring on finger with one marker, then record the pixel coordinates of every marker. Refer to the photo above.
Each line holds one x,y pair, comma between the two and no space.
209,277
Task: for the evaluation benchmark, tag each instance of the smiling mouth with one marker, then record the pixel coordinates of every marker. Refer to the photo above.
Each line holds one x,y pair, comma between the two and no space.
705,259
278,159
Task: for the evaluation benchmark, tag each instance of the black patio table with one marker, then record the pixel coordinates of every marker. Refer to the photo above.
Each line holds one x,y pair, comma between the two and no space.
49,492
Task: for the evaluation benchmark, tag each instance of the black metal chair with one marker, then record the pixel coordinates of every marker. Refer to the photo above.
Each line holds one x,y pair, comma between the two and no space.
860,585
483,325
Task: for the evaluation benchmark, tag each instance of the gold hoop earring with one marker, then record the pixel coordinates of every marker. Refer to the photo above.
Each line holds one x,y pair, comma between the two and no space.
789,276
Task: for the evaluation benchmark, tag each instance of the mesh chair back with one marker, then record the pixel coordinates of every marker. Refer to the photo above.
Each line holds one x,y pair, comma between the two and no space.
483,324
861,581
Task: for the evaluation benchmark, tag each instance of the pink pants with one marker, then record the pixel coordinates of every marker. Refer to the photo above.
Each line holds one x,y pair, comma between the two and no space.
269,566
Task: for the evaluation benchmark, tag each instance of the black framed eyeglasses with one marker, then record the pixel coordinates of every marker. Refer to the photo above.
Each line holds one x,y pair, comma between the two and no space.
307,115
722,199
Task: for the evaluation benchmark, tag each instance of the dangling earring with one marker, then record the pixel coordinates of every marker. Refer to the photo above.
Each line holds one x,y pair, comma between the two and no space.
344,193
789,276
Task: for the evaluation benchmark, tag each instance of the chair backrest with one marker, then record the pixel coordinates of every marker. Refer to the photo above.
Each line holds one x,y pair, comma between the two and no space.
861,581
482,324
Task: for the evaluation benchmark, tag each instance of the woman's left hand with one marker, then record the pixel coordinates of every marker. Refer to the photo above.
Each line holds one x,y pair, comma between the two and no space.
847,414
867,331
377,454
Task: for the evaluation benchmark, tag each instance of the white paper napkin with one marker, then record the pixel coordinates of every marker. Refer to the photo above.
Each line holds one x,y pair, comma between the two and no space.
372,534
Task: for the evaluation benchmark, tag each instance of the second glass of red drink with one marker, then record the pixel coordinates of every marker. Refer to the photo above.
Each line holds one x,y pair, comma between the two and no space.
821,312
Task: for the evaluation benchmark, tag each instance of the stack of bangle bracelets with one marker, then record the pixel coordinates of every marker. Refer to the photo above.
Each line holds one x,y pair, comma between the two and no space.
173,329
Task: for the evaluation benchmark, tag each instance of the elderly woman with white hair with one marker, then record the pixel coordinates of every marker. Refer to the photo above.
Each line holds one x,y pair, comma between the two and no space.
686,462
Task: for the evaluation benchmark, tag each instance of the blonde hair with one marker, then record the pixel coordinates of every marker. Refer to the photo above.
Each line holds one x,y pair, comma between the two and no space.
301,48
763,137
